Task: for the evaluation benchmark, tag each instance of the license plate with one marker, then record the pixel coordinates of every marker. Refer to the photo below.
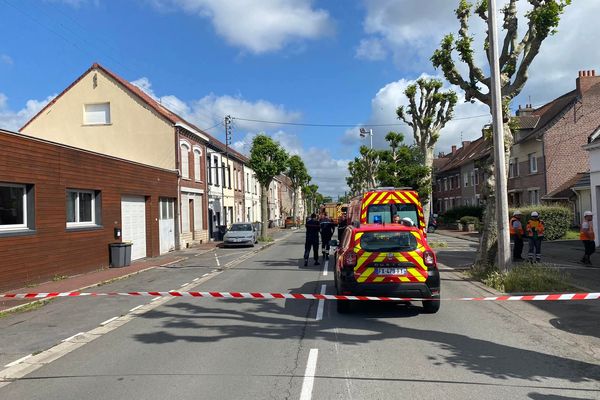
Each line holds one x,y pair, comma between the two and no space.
390,271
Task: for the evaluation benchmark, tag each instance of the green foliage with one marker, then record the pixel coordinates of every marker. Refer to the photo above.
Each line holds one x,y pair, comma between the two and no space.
546,17
557,220
456,213
267,159
402,166
467,219
524,278
296,171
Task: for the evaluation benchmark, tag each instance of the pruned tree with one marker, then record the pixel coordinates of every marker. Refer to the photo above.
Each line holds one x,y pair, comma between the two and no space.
428,111
363,170
298,174
268,159
402,166
516,57
309,193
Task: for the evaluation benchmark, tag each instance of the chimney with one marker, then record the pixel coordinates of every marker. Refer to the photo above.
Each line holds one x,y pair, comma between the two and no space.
524,111
453,148
586,80
441,155
465,143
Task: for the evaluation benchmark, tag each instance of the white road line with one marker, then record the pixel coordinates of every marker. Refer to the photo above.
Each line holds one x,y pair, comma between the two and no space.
195,279
185,284
217,258
108,321
72,337
156,298
321,303
137,307
325,267
206,274
309,375
18,361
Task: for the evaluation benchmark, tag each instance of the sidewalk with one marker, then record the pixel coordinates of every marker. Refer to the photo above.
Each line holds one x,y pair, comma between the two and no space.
96,278
564,254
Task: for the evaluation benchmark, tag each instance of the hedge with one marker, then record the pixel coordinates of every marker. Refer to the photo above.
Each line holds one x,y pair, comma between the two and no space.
467,219
557,220
456,213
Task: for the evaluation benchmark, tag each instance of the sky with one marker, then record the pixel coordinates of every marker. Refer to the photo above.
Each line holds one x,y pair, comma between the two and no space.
313,71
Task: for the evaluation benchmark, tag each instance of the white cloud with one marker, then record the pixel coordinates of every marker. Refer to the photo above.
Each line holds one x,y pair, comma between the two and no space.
211,109
258,26
391,96
371,49
6,59
13,120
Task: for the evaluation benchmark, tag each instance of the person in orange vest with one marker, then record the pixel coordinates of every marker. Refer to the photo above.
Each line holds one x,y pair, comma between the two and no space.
587,236
535,233
516,233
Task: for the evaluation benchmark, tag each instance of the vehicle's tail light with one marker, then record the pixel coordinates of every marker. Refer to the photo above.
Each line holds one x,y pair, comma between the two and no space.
429,258
350,259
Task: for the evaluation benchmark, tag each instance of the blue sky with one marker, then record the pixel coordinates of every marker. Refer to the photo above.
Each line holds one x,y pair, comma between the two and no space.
297,61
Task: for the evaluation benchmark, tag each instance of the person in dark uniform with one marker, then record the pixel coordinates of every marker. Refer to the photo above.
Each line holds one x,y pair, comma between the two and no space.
312,239
342,224
327,229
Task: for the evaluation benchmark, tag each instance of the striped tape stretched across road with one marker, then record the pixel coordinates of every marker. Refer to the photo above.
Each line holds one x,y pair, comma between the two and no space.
301,296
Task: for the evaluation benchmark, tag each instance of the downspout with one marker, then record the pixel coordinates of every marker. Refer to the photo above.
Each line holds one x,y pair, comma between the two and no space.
178,208
577,207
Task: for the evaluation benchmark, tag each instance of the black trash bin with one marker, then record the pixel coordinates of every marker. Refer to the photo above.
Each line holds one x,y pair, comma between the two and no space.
120,254
221,232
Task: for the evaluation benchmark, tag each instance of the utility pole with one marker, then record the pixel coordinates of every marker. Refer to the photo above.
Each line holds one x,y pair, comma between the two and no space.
227,143
498,121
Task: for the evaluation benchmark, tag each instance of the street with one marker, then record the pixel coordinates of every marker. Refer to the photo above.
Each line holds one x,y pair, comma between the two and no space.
295,349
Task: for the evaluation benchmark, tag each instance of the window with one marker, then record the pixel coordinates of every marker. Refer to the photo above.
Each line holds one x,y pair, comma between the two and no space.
223,174
209,172
185,161
166,209
466,178
476,172
81,208
14,208
247,183
216,170
533,167
388,241
229,176
197,171
96,114
534,197
445,184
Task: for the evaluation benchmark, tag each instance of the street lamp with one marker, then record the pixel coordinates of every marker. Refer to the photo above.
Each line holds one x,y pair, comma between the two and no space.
364,133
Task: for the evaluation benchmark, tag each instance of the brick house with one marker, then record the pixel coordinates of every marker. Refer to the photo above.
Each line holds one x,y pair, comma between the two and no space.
60,206
549,158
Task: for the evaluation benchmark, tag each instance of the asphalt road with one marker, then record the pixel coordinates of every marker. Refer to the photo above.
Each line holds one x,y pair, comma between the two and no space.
300,349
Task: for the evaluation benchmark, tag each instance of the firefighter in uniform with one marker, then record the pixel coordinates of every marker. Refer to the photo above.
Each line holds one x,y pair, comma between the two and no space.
516,233
587,236
327,228
535,233
312,239
342,224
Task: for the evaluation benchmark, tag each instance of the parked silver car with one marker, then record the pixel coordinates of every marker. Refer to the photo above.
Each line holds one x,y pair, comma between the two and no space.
240,234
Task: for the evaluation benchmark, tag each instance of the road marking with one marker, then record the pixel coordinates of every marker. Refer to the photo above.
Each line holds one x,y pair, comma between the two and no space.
185,284
325,267
156,298
206,274
321,303
217,258
135,308
18,361
195,279
108,321
309,375
72,337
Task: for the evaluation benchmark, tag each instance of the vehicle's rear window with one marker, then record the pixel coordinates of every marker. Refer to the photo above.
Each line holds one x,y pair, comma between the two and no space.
383,213
388,241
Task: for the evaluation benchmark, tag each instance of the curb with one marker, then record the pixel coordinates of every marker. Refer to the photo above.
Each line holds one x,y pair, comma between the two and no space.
470,239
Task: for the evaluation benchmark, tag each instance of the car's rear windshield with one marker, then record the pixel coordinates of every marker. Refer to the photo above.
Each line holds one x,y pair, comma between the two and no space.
241,227
383,213
388,241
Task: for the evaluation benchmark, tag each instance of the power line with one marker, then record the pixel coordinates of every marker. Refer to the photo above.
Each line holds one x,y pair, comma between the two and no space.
341,125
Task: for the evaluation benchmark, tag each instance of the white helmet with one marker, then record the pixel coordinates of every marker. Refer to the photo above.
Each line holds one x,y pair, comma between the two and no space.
535,214
588,214
408,221
517,212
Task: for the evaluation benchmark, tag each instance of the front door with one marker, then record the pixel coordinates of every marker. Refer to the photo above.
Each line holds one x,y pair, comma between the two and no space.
166,225
191,216
133,223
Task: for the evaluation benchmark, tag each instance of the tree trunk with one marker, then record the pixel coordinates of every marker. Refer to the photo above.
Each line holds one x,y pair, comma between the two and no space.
428,153
294,205
264,193
488,244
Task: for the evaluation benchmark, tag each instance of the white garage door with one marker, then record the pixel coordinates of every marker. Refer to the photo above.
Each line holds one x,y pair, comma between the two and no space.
133,224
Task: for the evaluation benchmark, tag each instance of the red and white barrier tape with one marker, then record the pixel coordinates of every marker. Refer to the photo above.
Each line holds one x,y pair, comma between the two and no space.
300,296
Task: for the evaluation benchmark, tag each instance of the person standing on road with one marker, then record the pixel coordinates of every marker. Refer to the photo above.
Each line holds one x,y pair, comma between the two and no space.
312,239
535,233
516,233
342,224
327,228
587,236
